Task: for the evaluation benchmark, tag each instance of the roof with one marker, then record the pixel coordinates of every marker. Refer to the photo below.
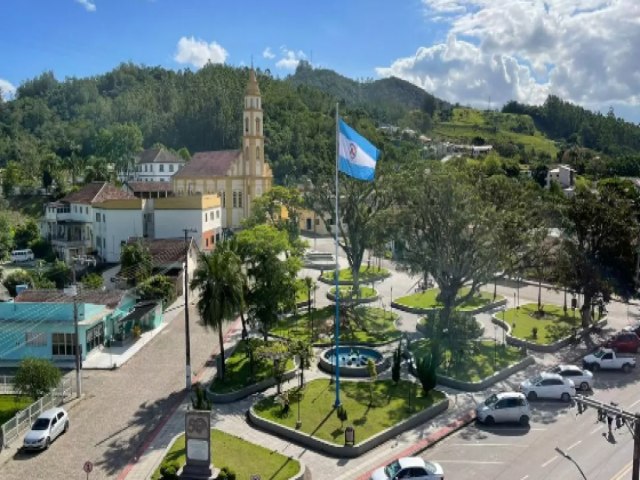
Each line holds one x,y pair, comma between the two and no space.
140,187
252,84
109,298
96,192
163,250
406,462
139,310
158,155
208,164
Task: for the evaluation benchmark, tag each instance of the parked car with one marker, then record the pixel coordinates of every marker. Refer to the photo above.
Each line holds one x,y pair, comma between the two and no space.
504,407
548,385
25,255
634,327
624,342
607,359
49,426
582,378
414,468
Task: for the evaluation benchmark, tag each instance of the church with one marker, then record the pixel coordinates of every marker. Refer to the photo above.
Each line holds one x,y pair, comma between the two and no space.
238,176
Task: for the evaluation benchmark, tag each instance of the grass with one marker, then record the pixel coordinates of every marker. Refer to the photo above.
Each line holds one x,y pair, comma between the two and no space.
553,326
478,362
12,404
244,458
367,274
237,374
427,299
378,326
319,419
348,293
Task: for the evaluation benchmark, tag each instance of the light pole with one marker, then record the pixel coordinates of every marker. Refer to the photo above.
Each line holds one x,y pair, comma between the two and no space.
299,422
76,329
568,457
187,337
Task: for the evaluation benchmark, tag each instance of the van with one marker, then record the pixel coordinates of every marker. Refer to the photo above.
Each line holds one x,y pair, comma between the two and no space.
22,255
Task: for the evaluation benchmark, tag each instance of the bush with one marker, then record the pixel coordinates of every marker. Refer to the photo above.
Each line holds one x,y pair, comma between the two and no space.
534,332
341,412
200,401
169,470
426,369
395,367
36,377
226,474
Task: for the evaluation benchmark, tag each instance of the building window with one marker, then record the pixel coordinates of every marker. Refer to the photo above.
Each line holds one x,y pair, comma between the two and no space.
98,241
224,199
104,217
246,125
35,339
257,153
95,336
161,168
205,217
63,344
257,126
235,200
171,167
206,242
217,213
239,199
145,167
98,217
86,210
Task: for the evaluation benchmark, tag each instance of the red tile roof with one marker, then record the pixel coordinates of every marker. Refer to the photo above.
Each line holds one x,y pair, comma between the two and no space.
208,164
97,192
110,298
163,250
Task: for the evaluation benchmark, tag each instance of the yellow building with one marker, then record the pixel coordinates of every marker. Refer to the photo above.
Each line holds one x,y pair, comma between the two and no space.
238,176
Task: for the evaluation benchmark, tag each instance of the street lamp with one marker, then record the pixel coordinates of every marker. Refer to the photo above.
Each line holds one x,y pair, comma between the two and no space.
187,337
299,421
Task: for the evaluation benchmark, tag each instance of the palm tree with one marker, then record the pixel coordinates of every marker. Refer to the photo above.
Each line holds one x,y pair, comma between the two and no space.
220,280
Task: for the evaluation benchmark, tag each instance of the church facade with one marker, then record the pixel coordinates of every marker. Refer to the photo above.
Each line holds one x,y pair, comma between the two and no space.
238,176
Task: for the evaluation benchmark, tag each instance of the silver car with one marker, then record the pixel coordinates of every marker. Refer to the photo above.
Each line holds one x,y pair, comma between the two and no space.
504,407
582,379
49,426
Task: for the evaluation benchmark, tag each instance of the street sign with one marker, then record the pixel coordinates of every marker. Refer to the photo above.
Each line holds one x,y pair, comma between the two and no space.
88,467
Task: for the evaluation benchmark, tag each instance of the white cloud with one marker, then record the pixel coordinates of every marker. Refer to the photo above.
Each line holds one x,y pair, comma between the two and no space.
268,53
582,50
7,88
88,5
290,58
199,52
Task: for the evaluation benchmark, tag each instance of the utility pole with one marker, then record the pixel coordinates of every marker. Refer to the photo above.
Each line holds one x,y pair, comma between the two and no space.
622,417
187,337
76,329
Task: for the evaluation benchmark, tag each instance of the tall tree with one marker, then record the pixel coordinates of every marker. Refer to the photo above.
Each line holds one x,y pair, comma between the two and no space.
135,262
120,144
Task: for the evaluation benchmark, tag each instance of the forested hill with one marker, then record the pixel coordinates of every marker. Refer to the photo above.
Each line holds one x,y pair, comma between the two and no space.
388,99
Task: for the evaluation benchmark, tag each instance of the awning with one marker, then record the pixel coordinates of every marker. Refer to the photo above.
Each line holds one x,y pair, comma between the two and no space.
139,311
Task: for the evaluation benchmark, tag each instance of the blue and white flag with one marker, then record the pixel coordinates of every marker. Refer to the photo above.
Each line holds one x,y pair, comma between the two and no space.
357,157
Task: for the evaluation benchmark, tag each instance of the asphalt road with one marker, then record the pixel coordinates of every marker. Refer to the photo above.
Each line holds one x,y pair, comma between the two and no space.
510,452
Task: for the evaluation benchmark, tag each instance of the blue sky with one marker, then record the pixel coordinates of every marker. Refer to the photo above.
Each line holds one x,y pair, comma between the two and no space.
465,51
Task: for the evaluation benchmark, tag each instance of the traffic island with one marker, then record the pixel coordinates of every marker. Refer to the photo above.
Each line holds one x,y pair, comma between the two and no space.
345,277
426,302
368,419
350,297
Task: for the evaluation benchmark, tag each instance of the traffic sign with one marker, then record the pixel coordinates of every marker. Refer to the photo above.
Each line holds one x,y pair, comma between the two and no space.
88,467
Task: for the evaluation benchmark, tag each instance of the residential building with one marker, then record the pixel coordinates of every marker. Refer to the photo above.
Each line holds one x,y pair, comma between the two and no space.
238,176
154,165
564,175
68,223
115,221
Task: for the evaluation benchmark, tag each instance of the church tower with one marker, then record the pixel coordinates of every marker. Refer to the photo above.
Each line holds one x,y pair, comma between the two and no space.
252,129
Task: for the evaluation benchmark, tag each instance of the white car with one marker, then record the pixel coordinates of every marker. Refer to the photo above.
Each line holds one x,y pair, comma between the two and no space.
549,385
409,467
504,407
582,379
49,426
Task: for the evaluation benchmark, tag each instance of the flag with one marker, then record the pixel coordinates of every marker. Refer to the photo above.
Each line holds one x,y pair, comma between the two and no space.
357,157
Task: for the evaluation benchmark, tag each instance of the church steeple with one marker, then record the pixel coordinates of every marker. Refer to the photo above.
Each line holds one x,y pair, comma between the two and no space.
252,86
252,136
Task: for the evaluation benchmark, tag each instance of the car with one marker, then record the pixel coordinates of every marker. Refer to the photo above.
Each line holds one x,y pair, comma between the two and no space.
49,425
504,407
414,468
624,342
634,327
548,385
607,359
582,378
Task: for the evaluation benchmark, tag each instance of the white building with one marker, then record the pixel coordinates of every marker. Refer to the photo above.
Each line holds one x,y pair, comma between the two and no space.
115,221
154,165
563,175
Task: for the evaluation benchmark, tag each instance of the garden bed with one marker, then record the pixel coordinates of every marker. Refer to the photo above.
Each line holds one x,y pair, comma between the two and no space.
388,415
367,275
425,302
348,296
246,459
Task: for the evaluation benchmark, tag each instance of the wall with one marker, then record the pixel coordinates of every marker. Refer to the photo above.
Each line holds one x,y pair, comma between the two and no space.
117,227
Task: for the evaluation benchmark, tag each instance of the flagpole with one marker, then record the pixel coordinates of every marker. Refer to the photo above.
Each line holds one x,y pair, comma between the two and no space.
337,272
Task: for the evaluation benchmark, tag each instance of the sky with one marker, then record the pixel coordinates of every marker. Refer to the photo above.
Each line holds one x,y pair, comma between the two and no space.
481,53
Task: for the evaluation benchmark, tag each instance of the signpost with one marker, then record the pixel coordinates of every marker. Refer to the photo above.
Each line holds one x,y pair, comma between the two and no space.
198,441
88,468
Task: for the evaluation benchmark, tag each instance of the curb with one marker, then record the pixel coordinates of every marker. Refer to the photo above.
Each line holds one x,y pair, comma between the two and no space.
432,439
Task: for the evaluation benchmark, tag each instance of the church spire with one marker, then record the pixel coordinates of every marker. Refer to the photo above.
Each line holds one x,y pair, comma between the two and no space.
252,85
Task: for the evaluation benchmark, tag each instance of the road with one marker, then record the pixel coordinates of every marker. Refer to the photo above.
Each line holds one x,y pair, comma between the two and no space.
121,409
509,452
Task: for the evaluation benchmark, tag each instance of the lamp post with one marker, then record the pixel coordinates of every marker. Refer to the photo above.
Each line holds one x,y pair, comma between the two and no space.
187,337
76,330
299,422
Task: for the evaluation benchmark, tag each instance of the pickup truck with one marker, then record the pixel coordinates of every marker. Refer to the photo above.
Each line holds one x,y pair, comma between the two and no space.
607,359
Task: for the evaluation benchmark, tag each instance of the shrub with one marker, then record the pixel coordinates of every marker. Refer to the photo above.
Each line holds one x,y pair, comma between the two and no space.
534,332
36,377
395,367
137,331
226,474
341,412
200,401
17,277
426,369
169,470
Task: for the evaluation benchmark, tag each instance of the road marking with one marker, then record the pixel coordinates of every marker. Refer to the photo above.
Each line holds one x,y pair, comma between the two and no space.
525,477
487,445
623,472
597,429
574,445
634,404
549,461
477,462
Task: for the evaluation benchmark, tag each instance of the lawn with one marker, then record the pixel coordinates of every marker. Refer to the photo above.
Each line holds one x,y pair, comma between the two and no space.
246,459
367,274
237,374
12,404
348,293
553,326
390,406
378,325
481,360
427,300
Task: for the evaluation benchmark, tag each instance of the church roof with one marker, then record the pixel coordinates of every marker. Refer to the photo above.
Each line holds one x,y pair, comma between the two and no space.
158,155
208,164
252,85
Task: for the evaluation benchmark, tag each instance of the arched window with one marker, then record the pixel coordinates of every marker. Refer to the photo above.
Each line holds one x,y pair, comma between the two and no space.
257,126
257,153
246,125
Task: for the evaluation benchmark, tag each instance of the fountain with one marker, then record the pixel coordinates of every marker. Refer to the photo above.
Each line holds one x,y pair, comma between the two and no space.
352,360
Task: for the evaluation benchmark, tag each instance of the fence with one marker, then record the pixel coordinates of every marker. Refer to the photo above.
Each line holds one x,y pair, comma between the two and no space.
6,385
11,430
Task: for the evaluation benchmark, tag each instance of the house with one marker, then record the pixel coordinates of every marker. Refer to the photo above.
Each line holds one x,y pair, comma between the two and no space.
312,223
68,223
40,323
238,176
564,175
154,165
115,221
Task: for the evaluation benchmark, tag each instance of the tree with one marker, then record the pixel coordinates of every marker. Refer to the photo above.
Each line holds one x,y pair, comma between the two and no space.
135,262
449,233
36,377
302,349
373,376
219,279
272,269
15,278
93,281
396,365
11,178
158,287
278,353
426,368
26,234
6,236
120,144
599,249
59,273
